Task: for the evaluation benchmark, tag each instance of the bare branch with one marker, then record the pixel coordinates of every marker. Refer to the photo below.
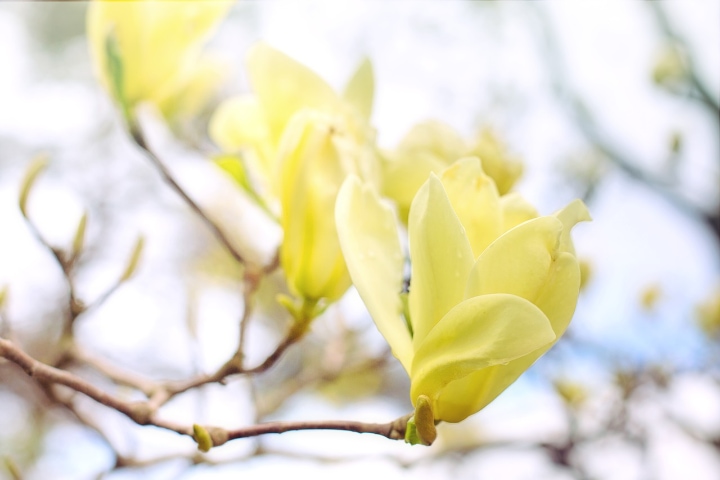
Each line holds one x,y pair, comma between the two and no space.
139,138
143,413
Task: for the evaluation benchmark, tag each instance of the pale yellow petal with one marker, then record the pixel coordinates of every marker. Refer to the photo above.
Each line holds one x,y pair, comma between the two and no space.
436,138
476,334
557,301
475,200
518,262
239,122
201,87
311,175
573,213
558,297
158,42
285,86
404,174
440,255
515,210
373,254
360,90
496,161
239,125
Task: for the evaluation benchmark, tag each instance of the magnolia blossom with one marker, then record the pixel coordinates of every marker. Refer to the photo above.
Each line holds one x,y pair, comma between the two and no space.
296,140
493,286
431,146
315,157
147,50
250,127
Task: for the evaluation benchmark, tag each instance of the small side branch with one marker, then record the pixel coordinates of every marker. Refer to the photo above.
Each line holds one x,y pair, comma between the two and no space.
141,142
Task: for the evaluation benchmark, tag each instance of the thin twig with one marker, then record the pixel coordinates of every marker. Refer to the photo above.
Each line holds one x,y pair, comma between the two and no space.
75,306
139,138
704,95
394,430
115,374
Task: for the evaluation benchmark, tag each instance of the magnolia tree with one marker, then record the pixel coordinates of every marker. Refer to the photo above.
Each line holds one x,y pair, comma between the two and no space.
468,284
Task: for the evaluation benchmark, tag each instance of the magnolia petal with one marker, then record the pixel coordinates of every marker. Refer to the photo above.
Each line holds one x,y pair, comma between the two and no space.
475,200
515,210
557,301
436,138
373,254
239,122
477,333
573,213
310,176
470,394
403,176
360,90
285,86
518,262
503,168
158,42
201,87
440,255
558,298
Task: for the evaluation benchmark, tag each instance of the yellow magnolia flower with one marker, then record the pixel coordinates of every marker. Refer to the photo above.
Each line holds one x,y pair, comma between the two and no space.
146,50
315,156
298,140
493,286
432,146
253,125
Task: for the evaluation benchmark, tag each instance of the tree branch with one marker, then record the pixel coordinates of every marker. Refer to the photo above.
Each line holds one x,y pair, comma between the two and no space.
143,413
139,138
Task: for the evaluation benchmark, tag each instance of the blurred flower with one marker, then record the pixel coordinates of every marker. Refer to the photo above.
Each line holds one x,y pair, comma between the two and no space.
572,393
649,297
670,69
295,141
250,127
586,272
431,146
147,50
496,161
198,91
493,286
708,314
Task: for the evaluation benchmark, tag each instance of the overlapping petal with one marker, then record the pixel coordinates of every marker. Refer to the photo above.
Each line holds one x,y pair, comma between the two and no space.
475,200
373,254
312,172
285,86
477,333
440,255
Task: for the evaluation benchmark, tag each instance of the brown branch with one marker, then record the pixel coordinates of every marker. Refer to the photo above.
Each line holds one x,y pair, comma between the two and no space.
143,413
234,365
115,374
75,307
139,138
43,373
394,430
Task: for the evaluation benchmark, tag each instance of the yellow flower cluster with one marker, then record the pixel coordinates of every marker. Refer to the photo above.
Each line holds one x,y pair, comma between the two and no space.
493,285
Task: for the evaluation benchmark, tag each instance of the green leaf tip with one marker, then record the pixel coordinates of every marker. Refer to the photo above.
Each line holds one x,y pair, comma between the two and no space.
35,168
134,259
116,73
